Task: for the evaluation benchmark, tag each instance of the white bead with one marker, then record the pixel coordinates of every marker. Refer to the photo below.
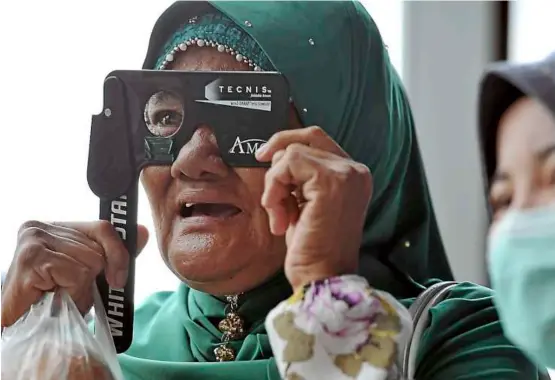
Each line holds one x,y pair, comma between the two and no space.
221,48
305,110
407,244
248,23
311,41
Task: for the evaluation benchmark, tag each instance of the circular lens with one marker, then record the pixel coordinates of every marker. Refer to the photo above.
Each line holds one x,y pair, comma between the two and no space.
163,114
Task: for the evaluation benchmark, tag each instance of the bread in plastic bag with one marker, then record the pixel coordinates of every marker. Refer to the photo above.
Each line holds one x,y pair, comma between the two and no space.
52,342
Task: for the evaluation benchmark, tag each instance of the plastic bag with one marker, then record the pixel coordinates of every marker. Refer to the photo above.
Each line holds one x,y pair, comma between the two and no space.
52,342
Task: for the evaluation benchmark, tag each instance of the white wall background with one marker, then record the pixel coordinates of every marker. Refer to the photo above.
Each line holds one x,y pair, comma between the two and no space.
54,60
447,45
532,33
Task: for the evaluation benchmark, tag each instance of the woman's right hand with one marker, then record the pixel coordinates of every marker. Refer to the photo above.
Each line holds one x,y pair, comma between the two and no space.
64,254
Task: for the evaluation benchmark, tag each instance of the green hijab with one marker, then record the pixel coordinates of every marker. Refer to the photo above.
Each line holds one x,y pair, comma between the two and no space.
341,79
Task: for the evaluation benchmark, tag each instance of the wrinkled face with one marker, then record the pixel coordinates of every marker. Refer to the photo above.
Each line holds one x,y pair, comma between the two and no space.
211,229
525,175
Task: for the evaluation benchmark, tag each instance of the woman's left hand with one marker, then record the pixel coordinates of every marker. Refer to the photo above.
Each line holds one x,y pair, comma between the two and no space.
318,196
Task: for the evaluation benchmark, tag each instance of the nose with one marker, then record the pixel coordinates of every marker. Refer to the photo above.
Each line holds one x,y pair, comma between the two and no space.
200,158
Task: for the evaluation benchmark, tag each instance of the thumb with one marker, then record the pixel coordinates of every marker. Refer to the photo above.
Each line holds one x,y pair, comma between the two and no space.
142,237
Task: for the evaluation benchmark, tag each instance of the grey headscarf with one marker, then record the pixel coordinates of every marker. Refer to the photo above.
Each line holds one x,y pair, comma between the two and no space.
502,85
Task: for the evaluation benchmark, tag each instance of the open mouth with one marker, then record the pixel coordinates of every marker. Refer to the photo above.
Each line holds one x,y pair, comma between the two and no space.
214,210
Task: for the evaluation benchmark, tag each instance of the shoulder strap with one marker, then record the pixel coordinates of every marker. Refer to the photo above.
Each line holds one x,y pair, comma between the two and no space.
420,316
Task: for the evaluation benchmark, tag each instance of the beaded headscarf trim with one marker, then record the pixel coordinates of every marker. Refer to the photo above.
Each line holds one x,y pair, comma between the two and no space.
219,32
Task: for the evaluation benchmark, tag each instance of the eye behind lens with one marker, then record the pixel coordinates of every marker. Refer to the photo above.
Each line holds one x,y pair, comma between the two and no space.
163,114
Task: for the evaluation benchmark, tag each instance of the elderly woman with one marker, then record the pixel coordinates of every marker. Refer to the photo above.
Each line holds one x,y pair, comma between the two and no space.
518,140
270,286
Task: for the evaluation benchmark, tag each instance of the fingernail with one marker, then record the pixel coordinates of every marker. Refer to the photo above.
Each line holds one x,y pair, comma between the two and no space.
121,278
260,151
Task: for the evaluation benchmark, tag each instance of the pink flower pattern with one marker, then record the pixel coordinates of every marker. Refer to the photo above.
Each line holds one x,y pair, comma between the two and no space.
338,324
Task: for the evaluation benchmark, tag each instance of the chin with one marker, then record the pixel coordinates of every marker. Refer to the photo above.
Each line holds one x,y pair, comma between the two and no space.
223,272
223,260
203,258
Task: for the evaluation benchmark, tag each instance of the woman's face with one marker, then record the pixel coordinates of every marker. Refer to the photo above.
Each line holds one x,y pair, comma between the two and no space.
525,175
222,244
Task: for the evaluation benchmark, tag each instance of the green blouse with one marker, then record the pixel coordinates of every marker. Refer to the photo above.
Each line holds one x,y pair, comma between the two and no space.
175,334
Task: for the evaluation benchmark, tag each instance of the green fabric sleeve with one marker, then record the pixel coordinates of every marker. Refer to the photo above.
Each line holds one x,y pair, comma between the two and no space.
465,341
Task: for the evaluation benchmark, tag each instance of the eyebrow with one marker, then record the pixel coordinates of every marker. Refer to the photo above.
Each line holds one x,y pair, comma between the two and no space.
542,155
499,176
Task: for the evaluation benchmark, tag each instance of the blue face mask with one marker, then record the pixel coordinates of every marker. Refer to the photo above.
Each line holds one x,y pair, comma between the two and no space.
521,258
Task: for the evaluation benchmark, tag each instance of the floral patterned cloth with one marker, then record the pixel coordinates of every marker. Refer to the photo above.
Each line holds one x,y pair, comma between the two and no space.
339,328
